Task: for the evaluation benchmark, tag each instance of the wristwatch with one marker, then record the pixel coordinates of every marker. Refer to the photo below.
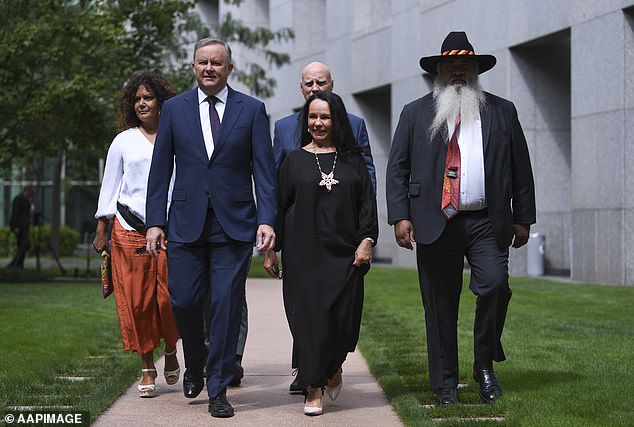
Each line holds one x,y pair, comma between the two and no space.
370,239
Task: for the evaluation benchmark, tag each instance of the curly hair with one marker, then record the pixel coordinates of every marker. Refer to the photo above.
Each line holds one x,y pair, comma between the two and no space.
155,83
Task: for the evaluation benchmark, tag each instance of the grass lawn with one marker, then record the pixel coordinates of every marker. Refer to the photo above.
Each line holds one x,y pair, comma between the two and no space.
56,333
55,330
569,349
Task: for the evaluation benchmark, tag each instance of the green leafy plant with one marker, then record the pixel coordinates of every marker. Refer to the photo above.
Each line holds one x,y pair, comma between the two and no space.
69,239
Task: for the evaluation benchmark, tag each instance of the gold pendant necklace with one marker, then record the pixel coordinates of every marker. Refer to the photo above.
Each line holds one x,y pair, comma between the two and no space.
327,180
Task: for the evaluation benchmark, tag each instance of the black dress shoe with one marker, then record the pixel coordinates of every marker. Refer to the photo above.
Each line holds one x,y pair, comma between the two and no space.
192,384
238,373
295,388
489,385
447,396
219,407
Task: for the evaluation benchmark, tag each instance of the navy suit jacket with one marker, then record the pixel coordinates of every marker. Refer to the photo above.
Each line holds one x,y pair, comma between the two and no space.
243,151
416,166
286,138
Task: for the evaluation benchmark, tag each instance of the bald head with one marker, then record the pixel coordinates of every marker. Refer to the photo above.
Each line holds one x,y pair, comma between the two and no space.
315,78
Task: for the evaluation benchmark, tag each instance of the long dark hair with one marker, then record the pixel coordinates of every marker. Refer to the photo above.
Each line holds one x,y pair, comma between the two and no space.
157,84
342,136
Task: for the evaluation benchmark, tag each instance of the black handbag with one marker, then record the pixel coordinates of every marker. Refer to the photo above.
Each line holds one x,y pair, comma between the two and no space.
129,216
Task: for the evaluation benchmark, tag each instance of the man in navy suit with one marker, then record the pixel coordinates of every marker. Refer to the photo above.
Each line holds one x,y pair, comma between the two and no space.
315,77
460,184
219,141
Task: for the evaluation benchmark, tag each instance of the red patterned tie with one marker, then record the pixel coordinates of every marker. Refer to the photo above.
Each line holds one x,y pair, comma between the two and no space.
451,181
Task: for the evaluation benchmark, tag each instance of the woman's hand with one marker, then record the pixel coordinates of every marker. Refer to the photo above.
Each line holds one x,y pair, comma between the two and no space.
363,254
271,264
100,243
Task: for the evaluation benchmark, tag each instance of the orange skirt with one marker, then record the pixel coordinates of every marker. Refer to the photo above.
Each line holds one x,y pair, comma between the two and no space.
140,289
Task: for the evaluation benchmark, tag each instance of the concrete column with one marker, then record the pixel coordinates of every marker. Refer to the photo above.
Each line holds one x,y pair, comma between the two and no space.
599,150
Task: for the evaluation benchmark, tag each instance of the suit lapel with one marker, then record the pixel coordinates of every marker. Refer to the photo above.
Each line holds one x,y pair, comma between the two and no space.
485,121
191,111
297,131
232,112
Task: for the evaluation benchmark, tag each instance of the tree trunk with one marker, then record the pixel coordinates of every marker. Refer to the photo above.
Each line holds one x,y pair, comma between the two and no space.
56,212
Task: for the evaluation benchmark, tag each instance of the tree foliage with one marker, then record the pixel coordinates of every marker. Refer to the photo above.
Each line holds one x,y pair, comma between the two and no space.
57,73
63,63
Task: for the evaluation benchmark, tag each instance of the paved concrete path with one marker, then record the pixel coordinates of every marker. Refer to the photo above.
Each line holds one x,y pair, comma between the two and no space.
263,397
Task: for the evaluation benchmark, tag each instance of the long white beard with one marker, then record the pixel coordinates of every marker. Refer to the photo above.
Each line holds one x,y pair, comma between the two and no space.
453,100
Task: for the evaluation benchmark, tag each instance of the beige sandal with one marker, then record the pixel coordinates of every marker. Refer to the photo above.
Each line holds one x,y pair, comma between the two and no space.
171,377
147,390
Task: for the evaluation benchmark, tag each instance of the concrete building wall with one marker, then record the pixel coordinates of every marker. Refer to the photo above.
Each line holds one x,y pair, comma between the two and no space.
568,65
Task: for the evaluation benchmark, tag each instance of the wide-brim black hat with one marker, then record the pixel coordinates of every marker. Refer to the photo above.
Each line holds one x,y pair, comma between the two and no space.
457,44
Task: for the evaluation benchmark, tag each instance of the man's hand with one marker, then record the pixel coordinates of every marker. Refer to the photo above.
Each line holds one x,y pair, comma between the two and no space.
265,238
404,233
155,239
521,234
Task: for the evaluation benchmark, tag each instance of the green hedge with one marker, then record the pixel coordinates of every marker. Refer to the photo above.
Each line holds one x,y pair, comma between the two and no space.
69,238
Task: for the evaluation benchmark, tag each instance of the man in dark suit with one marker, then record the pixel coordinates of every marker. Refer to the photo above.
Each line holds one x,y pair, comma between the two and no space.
460,184
20,223
219,141
316,77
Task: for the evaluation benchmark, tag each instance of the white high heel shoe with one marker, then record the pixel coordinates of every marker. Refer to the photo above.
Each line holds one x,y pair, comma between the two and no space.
147,390
314,410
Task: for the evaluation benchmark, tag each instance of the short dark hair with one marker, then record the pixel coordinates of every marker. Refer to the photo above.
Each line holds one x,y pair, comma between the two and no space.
155,83
342,135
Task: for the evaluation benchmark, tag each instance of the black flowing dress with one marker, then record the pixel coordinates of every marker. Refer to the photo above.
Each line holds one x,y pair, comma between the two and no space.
320,231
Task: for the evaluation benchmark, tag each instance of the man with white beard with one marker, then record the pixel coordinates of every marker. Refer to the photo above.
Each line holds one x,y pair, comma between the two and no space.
460,184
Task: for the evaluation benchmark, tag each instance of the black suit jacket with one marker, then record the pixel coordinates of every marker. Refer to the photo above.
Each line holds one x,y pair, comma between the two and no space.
416,166
20,212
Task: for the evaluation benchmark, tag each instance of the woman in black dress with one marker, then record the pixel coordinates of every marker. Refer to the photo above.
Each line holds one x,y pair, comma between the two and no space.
327,227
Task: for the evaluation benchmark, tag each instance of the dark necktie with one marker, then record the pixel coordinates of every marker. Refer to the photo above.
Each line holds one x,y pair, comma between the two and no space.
451,181
213,117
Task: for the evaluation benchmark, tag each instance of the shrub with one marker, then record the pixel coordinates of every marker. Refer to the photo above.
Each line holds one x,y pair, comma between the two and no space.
7,242
69,238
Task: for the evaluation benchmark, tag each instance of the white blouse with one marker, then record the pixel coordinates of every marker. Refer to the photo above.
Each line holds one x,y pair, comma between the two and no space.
125,176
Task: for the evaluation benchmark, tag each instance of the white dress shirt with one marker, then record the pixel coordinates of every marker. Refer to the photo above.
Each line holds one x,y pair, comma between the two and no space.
125,176
205,121
472,185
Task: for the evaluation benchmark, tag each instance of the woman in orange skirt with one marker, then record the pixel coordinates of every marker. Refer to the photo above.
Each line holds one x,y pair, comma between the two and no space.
140,280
